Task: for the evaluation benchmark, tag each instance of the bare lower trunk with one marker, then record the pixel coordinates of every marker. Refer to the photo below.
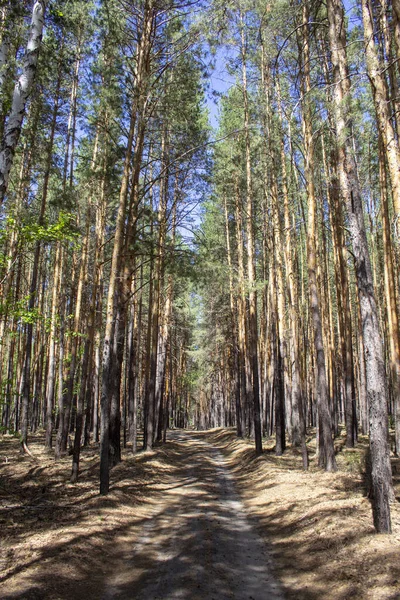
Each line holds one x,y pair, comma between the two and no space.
251,271
326,449
234,326
51,367
245,380
382,488
391,300
116,269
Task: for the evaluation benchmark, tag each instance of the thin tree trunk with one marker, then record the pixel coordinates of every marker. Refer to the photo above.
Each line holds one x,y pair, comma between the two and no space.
245,375
33,285
251,271
110,316
86,353
234,326
151,429
298,432
51,366
326,448
381,101
117,264
390,296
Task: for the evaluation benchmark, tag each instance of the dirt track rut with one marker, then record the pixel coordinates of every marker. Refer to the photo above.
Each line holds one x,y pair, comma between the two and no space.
198,542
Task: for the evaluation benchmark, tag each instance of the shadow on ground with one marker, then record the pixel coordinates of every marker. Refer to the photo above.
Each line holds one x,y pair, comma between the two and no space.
319,525
174,527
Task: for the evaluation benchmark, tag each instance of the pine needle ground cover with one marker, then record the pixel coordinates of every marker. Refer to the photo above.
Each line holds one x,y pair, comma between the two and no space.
57,538
317,525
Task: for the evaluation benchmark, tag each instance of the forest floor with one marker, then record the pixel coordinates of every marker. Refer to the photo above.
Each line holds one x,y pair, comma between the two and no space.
199,518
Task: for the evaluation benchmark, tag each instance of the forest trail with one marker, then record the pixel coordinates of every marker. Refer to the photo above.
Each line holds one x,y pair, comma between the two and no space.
199,518
198,543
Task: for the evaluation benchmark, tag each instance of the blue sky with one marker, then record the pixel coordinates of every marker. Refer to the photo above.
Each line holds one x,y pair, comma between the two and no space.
221,80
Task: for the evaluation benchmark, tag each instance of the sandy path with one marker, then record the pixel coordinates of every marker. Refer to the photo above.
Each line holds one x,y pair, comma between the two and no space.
198,543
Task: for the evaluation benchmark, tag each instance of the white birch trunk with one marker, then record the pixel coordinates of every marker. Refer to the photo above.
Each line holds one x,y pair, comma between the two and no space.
3,62
22,90
4,46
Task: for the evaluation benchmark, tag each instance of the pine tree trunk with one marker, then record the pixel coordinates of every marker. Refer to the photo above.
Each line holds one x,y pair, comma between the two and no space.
87,344
251,272
343,300
51,366
381,101
110,316
382,489
390,296
245,375
234,326
134,367
326,449
281,376
280,349
298,430
396,24
154,323
33,285
165,317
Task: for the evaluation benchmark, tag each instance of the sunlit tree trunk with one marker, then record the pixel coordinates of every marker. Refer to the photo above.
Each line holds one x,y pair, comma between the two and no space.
117,262
51,366
385,28
251,272
326,448
234,325
151,423
22,91
26,387
66,387
110,315
82,284
282,378
345,332
390,297
382,489
396,25
382,105
165,325
298,426
244,366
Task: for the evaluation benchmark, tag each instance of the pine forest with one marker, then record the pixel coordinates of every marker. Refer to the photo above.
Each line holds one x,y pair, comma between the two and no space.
199,299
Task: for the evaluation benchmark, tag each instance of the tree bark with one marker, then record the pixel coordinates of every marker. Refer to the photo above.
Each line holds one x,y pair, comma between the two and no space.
326,449
390,297
381,101
382,488
298,430
234,326
251,271
22,91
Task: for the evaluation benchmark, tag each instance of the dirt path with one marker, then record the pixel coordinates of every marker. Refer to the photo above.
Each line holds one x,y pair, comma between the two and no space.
198,543
173,525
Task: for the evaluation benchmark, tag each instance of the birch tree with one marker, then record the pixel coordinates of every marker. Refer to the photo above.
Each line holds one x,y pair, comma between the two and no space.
21,94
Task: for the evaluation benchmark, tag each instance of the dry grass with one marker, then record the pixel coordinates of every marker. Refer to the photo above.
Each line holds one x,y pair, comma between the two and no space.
54,534
318,525
56,537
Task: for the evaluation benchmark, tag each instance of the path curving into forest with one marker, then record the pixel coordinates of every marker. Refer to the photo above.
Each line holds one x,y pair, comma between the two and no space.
198,543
